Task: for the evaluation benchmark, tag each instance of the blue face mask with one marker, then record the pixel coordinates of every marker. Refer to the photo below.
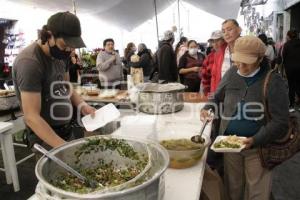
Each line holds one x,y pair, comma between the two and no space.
57,53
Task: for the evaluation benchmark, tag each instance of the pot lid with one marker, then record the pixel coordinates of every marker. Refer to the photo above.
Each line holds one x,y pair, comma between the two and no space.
7,93
156,87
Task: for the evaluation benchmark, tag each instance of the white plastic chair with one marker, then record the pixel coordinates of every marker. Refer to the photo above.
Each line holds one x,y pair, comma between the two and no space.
8,154
7,129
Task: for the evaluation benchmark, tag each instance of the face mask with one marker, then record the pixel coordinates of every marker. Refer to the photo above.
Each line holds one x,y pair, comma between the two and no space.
59,54
193,51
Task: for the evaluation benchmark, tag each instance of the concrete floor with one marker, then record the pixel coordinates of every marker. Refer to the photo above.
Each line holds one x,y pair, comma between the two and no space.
26,174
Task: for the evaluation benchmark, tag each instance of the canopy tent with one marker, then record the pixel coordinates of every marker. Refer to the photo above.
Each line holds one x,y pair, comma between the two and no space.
128,14
124,20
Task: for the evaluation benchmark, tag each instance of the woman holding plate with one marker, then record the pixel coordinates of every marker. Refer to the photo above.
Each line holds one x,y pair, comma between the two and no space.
240,100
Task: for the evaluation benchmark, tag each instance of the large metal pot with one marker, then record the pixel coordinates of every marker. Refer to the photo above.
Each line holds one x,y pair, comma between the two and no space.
8,102
154,98
152,188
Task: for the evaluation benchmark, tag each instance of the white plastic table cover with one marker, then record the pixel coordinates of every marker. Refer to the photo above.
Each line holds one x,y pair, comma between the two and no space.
182,184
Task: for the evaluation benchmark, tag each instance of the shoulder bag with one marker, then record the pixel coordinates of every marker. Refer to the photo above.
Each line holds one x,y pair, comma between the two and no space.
276,152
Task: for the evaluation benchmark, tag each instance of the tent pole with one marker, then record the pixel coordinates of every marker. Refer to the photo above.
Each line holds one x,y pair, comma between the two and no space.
74,10
178,10
156,20
74,6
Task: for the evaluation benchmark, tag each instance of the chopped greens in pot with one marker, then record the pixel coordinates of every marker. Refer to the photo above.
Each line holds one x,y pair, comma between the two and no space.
105,174
102,144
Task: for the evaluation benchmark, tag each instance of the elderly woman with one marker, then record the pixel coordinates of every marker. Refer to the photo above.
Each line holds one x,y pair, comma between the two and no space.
240,98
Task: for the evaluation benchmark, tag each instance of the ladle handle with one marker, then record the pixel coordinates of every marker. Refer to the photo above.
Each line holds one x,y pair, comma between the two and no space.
58,161
203,127
207,119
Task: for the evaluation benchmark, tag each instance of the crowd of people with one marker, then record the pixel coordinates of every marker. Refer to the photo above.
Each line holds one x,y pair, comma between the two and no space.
201,71
186,62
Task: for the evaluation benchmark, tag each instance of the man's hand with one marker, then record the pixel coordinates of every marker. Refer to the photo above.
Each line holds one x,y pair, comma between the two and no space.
206,114
248,142
87,109
114,57
81,105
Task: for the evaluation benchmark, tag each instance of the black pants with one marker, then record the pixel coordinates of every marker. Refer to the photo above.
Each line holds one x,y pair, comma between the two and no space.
293,77
193,85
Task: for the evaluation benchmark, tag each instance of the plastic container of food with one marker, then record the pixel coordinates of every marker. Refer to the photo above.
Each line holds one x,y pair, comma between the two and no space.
183,153
180,158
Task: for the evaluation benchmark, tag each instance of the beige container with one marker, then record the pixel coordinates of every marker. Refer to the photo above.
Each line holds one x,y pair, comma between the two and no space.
137,75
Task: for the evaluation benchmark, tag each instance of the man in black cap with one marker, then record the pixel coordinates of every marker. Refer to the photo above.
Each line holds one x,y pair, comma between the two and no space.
40,79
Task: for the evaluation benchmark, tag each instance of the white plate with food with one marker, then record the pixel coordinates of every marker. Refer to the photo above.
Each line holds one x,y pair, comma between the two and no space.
228,144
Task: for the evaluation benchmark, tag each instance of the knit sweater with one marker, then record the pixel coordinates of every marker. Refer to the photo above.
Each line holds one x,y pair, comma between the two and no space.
241,125
110,70
233,89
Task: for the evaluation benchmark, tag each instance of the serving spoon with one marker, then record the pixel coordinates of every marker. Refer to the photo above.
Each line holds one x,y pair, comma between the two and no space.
198,138
91,183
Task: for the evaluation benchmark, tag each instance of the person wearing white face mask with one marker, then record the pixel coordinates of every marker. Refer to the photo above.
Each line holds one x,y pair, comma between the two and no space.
189,66
193,51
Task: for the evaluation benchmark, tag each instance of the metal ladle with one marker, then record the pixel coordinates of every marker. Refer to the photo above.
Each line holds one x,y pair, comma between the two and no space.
88,182
198,138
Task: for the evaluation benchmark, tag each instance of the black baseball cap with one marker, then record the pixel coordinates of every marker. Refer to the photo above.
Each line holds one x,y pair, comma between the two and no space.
67,26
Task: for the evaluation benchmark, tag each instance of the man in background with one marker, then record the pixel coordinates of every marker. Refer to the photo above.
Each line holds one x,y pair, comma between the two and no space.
231,32
166,58
109,65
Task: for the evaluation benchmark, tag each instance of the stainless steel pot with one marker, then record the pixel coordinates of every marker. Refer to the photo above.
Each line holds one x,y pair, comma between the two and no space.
152,188
8,102
154,98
